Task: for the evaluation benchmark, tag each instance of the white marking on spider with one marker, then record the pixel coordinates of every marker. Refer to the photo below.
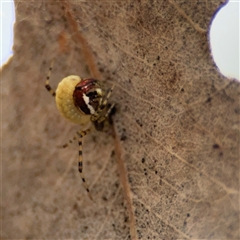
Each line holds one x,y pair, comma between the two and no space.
86,100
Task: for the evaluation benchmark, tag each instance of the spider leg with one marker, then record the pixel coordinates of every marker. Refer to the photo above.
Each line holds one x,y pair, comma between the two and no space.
69,142
80,162
96,115
102,118
105,101
47,86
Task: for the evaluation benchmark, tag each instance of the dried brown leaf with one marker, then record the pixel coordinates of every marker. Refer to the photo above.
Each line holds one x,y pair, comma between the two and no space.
170,167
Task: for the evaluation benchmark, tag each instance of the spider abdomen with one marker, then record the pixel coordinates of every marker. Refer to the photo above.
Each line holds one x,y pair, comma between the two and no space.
65,101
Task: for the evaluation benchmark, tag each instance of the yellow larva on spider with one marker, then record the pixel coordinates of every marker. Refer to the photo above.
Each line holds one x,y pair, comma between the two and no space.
84,102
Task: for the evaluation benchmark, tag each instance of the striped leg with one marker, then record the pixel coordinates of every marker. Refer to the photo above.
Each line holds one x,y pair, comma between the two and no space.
47,86
80,162
105,101
103,118
69,142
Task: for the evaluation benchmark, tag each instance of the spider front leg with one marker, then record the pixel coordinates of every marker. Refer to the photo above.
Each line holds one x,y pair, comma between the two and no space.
97,115
47,85
108,113
105,101
99,123
80,161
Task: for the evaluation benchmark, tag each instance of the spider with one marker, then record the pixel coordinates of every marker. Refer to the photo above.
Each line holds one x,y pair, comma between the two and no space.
84,102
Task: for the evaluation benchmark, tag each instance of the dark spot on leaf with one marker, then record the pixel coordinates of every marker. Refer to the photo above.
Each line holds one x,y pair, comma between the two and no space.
123,137
237,110
139,123
160,182
104,198
64,19
112,153
129,179
75,207
209,99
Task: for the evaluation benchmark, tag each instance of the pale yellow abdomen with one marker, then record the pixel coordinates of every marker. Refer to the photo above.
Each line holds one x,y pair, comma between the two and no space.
65,103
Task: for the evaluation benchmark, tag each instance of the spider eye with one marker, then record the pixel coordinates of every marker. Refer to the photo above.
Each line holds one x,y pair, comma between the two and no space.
86,96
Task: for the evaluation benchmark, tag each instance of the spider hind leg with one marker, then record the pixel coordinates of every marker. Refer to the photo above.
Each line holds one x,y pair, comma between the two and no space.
80,162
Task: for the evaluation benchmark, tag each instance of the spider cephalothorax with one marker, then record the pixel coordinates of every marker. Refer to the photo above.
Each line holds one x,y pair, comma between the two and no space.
82,101
88,96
